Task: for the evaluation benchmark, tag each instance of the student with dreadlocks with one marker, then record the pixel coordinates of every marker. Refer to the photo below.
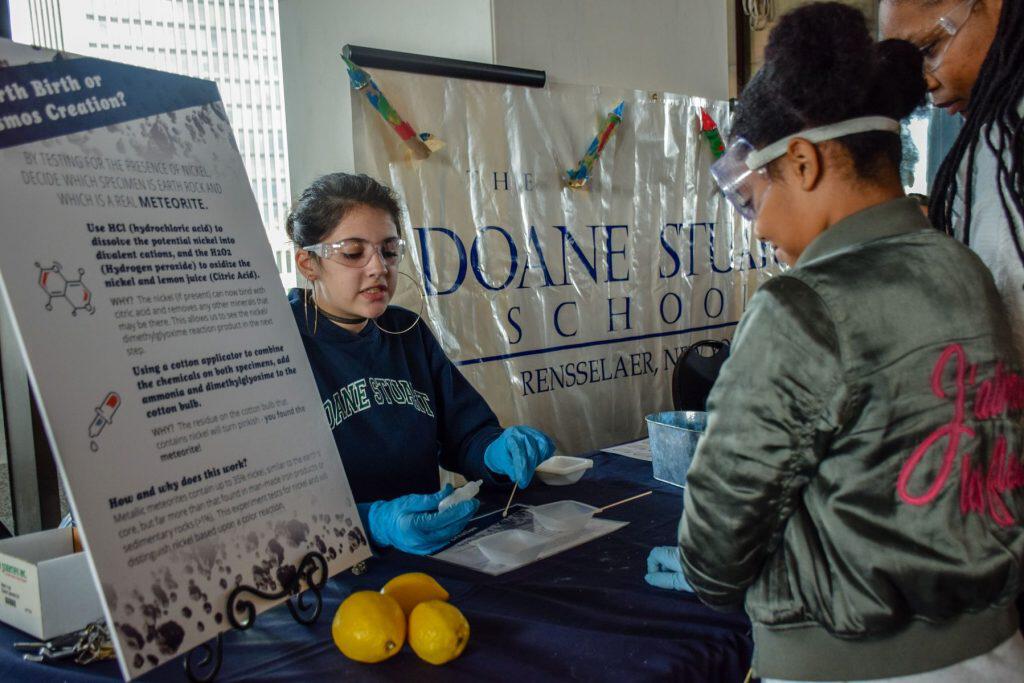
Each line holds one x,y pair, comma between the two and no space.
859,488
974,65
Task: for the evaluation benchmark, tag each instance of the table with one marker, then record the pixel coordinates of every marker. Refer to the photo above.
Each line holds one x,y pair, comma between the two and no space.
584,614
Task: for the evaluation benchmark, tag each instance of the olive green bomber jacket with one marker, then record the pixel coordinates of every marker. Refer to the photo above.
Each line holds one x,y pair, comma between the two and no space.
859,486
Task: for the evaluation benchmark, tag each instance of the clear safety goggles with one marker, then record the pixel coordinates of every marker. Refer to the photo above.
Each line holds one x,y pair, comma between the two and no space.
356,252
936,43
742,167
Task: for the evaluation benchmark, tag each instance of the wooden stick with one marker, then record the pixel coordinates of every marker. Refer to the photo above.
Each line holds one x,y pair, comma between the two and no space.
514,487
624,500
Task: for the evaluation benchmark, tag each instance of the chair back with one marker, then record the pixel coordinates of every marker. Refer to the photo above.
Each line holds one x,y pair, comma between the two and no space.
695,373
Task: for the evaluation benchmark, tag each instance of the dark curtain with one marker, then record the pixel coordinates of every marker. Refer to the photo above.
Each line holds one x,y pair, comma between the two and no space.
5,19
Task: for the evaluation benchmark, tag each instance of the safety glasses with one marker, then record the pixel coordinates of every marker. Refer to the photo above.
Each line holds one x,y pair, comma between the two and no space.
936,44
356,252
737,179
742,167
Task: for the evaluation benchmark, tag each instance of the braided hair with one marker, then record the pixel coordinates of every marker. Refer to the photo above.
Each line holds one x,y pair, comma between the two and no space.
993,108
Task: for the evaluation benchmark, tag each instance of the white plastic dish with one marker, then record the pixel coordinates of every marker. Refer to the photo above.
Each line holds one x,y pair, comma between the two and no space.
514,546
561,470
564,516
463,493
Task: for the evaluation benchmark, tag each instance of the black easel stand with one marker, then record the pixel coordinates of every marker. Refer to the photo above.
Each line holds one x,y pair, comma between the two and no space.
312,570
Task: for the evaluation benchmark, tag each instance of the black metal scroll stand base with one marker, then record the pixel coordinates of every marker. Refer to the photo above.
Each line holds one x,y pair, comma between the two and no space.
312,571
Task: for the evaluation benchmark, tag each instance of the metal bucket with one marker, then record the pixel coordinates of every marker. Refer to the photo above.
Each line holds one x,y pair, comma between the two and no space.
674,436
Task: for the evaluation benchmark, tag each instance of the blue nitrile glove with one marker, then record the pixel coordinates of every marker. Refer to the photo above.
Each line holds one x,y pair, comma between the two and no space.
665,569
517,452
412,523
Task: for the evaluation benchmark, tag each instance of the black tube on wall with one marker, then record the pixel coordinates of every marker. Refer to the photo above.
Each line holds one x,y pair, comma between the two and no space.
371,57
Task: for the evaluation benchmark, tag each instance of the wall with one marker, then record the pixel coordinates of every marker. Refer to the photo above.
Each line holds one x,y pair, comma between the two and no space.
316,86
666,45
678,46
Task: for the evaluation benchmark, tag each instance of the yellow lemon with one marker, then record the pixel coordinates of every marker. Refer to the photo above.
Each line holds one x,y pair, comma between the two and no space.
411,589
438,632
369,627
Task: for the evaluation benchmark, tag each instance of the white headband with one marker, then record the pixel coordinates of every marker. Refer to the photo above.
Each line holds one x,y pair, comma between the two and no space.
864,124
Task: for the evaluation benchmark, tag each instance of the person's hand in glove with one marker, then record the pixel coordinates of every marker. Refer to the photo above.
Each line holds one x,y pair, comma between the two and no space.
665,569
517,452
412,523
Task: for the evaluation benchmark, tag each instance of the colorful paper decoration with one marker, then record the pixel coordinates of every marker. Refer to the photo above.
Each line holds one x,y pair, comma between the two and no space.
579,176
362,81
709,129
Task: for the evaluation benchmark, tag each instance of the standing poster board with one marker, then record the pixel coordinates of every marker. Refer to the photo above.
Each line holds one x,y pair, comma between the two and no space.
172,380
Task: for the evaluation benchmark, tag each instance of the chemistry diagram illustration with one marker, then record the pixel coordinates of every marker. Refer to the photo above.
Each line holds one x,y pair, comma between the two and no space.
57,286
104,416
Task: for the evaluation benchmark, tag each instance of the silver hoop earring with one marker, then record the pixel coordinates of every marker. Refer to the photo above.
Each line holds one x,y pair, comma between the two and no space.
316,308
419,316
306,293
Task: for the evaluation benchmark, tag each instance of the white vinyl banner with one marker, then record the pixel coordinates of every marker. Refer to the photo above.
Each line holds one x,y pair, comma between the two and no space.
172,379
567,308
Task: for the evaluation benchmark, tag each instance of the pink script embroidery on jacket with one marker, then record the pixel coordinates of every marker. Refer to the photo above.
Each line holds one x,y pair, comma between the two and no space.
981,489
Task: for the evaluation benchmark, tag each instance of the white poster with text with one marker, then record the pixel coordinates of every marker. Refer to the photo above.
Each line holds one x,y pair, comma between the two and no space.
173,382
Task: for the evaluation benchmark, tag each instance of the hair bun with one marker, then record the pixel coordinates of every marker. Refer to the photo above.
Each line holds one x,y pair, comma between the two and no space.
823,56
898,86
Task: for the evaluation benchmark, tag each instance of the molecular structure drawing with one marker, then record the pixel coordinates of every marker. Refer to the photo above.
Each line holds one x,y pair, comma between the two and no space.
57,286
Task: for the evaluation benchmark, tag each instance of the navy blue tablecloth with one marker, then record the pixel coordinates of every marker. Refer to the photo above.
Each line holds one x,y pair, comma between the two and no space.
584,614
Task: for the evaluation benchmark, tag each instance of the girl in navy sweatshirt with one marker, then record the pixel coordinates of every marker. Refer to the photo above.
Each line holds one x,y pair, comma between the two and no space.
398,408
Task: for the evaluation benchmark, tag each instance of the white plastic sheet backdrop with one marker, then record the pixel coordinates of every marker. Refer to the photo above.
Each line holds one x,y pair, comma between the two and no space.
567,309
